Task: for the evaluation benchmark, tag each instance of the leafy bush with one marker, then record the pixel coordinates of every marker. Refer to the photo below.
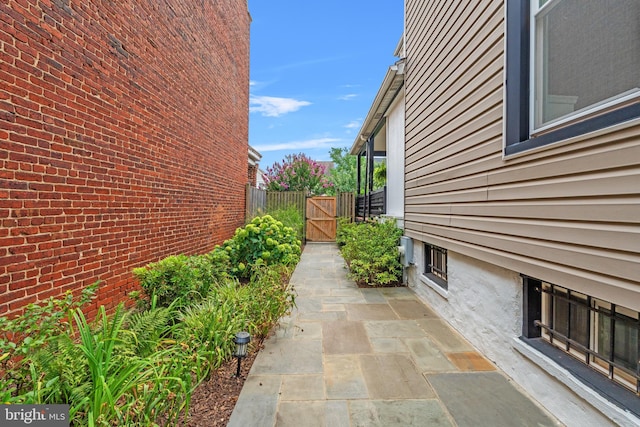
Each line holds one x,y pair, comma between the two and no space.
183,278
271,297
27,334
93,369
290,216
370,249
141,368
345,231
265,240
209,326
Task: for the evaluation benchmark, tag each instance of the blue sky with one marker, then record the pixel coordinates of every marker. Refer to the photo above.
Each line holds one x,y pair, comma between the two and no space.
315,68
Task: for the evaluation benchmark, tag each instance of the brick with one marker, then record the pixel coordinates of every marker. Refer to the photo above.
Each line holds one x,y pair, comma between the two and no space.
22,284
108,154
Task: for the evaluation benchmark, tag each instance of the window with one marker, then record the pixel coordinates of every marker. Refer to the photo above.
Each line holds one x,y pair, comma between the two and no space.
596,332
436,264
573,67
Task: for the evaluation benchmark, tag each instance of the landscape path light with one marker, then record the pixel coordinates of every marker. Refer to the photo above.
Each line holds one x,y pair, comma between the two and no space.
241,339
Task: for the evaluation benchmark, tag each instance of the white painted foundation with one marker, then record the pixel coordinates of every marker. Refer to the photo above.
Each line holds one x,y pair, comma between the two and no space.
484,303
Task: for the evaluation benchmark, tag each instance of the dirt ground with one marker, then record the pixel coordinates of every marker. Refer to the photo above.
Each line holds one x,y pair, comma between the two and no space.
213,401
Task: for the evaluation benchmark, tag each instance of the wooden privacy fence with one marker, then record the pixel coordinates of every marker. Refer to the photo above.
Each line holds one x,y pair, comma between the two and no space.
256,202
346,205
284,199
261,201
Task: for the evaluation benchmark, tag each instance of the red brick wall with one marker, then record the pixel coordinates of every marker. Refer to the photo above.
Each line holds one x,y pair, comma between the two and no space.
123,139
252,175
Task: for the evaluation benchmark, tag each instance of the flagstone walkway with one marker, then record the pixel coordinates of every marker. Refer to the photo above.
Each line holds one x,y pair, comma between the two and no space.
348,356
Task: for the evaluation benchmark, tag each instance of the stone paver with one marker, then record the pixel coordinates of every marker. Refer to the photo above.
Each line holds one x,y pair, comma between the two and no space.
263,393
349,357
287,356
302,387
343,378
370,312
384,413
486,399
427,356
345,337
448,339
394,376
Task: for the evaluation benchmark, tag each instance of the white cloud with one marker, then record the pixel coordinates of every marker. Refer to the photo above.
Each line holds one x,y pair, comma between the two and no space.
348,97
271,106
355,124
298,145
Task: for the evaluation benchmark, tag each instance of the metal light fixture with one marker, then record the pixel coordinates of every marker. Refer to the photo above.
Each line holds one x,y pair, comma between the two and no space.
241,340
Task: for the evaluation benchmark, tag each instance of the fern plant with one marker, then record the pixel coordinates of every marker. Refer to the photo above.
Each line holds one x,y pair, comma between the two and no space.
23,337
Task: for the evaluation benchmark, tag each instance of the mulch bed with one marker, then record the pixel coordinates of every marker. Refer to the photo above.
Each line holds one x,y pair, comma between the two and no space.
388,285
213,401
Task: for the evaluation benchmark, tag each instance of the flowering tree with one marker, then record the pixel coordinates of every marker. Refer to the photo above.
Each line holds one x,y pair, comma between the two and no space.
297,172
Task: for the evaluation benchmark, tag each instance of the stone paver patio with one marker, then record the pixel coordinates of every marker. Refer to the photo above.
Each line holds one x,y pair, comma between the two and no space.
348,356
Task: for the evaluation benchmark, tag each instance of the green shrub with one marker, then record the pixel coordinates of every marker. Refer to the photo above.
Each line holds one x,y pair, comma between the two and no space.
265,240
93,368
27,334
345,231
290,216
371,251
121,388
270,297
182,278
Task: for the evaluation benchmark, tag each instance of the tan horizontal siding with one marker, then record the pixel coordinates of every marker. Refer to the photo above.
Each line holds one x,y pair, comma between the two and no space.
454,19
607,287
568,213
610,210
477,76
604,157
608,262
596,236
615,182
436,23
475,143
449,69
595,185
468,105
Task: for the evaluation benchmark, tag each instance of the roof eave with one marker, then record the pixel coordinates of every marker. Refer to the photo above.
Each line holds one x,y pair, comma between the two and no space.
392,82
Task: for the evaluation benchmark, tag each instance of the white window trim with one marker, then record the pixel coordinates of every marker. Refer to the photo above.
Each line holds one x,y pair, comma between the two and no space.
534,81
586,111
569,141
444,293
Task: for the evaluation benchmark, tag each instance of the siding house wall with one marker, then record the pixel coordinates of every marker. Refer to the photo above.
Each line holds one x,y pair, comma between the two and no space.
123,139
568,213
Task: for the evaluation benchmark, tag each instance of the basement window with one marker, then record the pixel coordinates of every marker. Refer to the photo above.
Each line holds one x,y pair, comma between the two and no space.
599,334
435,263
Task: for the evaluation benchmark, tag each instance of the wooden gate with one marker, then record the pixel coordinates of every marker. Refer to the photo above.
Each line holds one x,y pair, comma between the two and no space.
321,219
